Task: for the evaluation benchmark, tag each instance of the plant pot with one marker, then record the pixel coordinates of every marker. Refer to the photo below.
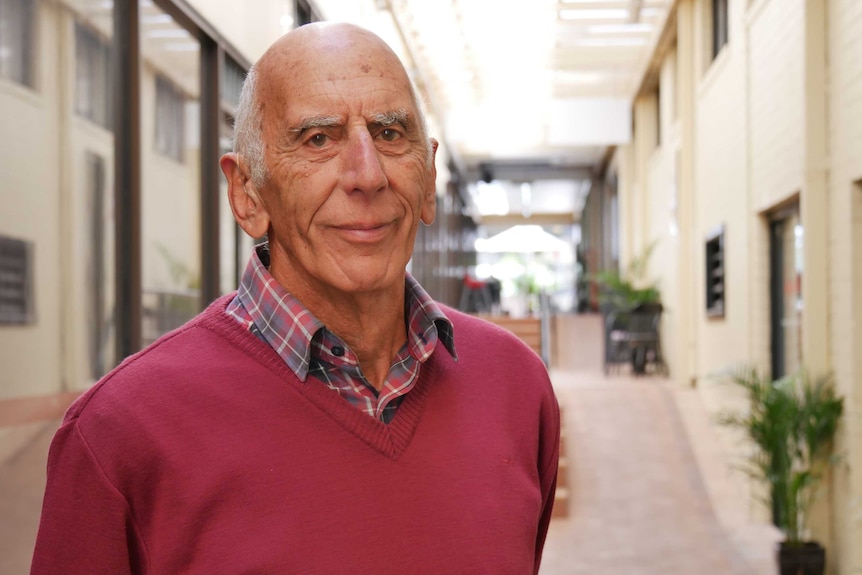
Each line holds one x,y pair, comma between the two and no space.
808,558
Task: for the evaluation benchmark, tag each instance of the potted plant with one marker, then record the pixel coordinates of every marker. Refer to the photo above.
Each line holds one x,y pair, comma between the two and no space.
791,423
629,291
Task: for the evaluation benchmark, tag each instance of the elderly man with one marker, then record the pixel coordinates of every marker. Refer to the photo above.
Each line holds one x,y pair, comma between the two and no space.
319,420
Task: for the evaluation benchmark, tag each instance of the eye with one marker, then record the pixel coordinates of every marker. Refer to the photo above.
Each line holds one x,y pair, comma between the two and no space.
389,134
318,140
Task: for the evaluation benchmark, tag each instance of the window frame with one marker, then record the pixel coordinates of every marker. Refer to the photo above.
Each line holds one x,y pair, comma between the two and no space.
100,77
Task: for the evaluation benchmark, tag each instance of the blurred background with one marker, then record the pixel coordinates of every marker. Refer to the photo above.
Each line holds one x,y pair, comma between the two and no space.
693,164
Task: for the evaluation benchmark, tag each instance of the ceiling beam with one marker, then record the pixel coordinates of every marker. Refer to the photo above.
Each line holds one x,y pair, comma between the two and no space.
527,172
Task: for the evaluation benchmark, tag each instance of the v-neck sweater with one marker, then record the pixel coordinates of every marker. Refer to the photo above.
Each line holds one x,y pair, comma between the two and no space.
205,454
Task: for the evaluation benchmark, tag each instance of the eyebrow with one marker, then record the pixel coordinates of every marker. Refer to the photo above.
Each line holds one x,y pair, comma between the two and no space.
315,122
394,117
400,116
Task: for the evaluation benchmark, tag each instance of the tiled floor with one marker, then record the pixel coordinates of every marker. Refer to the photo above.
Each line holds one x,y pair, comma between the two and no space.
639,503
645,479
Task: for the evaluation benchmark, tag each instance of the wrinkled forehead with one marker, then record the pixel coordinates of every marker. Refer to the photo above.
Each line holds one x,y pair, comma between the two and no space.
333,60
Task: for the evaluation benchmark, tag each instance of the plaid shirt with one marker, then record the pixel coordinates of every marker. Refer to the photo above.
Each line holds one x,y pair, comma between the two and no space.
309,348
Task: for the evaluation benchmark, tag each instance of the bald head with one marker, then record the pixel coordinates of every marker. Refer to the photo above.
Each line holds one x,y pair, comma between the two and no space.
303,57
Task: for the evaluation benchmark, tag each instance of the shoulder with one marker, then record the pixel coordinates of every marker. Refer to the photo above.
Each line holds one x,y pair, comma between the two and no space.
199,353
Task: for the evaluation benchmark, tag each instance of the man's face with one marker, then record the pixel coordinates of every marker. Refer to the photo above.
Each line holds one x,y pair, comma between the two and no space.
350,176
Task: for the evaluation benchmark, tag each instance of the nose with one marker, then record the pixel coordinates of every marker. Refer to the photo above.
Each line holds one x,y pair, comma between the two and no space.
362,170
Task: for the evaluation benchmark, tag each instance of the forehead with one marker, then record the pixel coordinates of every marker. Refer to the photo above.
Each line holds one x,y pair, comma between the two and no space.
340,76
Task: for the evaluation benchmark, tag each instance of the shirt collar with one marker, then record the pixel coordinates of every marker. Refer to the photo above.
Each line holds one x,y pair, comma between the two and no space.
289,327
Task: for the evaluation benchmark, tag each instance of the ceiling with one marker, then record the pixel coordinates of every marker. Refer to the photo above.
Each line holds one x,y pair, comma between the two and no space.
531,90
528,95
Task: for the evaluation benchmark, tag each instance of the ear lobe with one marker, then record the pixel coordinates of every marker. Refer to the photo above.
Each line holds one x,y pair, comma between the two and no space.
246,204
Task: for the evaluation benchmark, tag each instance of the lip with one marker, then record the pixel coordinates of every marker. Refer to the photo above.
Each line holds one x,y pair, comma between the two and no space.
361,232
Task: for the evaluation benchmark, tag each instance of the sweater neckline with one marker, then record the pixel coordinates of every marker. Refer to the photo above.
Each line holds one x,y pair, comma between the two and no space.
390,439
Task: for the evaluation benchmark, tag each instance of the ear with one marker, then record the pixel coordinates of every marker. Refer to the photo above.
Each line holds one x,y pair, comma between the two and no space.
429,200
245,201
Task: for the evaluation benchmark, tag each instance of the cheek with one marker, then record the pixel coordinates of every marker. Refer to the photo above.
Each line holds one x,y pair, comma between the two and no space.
298,196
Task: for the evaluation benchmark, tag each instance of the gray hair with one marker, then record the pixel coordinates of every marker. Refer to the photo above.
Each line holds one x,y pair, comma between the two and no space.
248,129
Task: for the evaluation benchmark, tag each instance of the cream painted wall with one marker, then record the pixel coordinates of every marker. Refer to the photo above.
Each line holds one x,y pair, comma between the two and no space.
775,37
662,219
29,161
721,192
774,32
249,26
845,247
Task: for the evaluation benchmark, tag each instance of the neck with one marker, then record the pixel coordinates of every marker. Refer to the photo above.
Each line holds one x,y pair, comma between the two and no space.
372,324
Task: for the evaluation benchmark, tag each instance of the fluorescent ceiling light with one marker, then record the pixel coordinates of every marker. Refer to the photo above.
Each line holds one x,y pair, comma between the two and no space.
168,33
639,28
621,42
182,47
157,19
597,14
581,77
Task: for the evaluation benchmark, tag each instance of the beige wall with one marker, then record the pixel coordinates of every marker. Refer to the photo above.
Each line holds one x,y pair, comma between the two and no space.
844,22
775,37
249,30
29,161
721,199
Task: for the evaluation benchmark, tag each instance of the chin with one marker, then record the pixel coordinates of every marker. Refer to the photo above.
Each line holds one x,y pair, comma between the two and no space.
366,279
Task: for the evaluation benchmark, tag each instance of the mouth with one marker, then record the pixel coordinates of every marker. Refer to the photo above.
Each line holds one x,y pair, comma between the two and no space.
362,232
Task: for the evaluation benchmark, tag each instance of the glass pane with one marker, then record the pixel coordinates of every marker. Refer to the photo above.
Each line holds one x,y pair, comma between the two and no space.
170,156
17,40
792,238
92,156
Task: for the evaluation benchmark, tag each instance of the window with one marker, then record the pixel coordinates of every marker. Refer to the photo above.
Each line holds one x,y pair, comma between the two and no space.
99,292
719,26
93,77
233,76
170,119
715,274
786,245
16,281
17,37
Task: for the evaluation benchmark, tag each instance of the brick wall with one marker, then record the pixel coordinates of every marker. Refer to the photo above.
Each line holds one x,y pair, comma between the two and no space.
844,24
776,45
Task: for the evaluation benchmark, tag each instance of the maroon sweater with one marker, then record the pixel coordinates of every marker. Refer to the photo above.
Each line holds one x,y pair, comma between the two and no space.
205,454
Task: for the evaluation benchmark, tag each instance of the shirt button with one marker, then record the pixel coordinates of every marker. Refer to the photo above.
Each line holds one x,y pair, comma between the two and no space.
337,350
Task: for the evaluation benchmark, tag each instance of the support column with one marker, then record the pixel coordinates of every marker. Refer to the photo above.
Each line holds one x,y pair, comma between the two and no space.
687,314
210,65
127,182
814,213
814,200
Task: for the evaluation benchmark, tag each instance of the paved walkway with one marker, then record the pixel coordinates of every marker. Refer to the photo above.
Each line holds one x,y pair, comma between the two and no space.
639,503
645,477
